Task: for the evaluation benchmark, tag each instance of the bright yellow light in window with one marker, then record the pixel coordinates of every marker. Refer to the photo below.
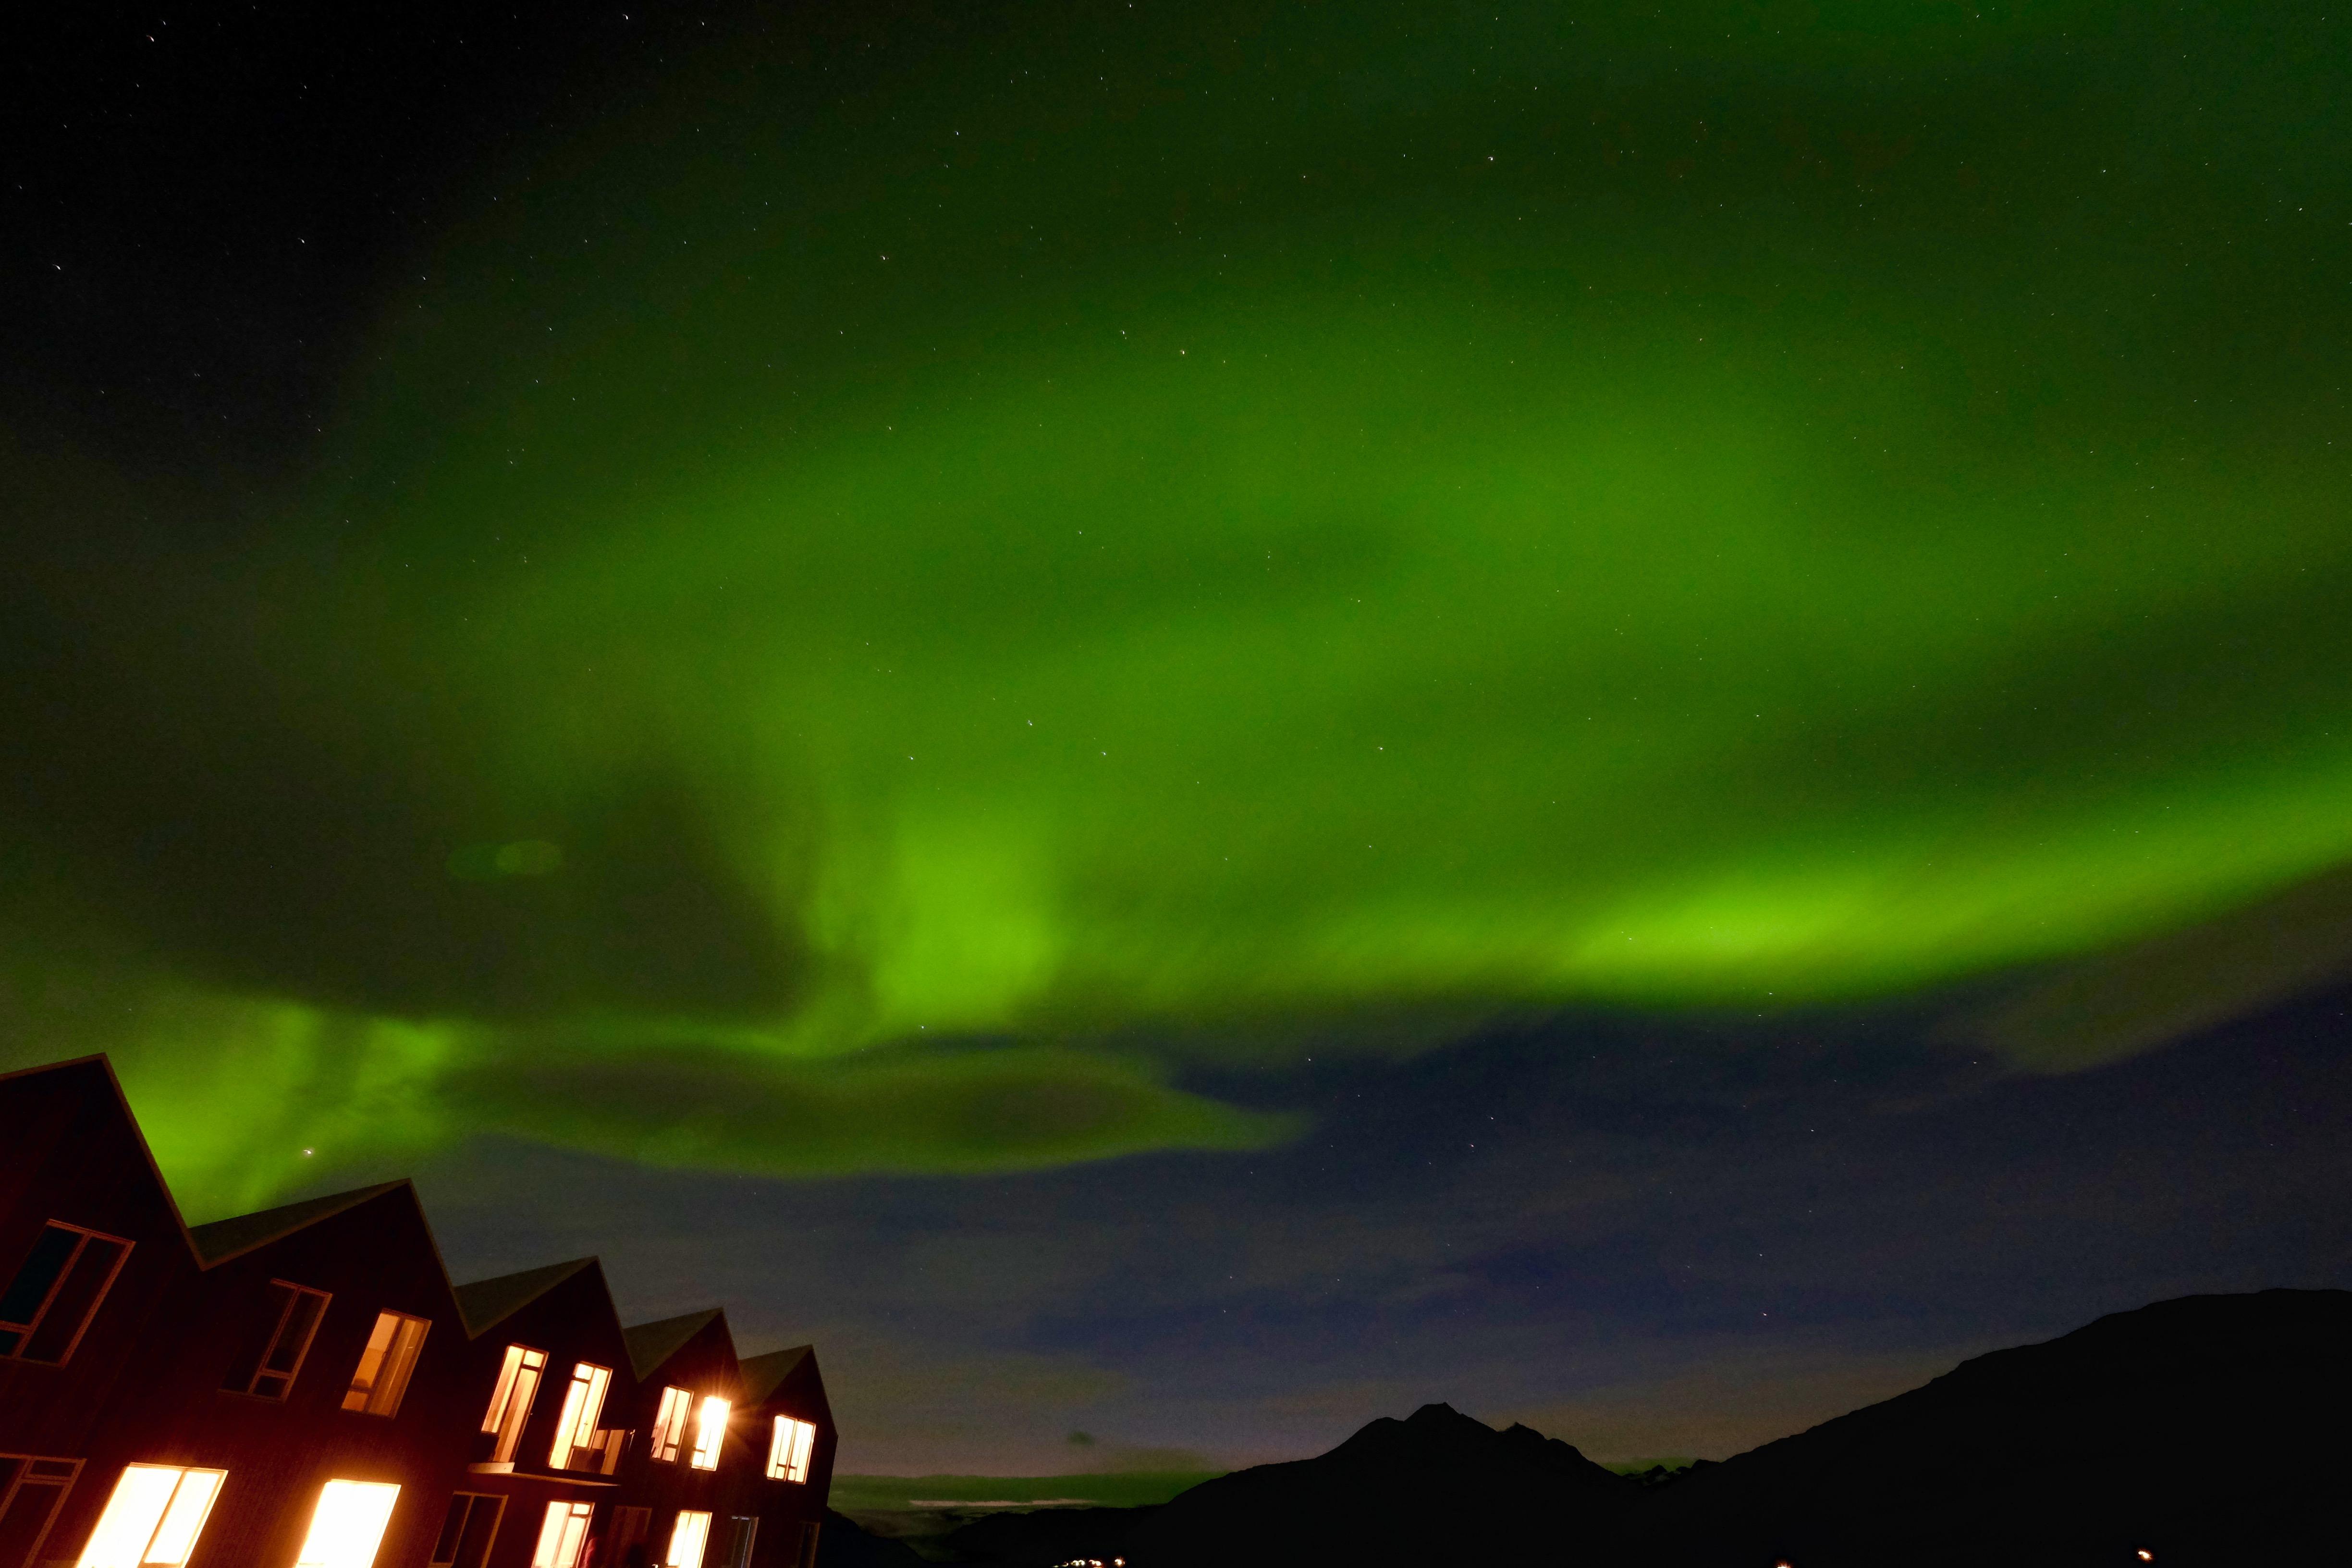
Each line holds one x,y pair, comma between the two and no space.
583,1407
348,1524
687,1535
788,1449
710,1433
669,1424
562,1534
154,1516
511,1401
391,1355
511,1378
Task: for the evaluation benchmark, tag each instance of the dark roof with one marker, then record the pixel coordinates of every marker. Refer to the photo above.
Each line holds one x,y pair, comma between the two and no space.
225,1239
488,1302
97,1073
762,1374
99,1065
650,1344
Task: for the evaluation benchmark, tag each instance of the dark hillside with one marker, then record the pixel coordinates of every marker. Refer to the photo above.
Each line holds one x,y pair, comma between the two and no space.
2086,1450
1038,1538
842,1542
1438,1487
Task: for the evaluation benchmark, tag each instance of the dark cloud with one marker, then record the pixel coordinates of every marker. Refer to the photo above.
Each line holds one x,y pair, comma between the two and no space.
2103,1008
1651,1240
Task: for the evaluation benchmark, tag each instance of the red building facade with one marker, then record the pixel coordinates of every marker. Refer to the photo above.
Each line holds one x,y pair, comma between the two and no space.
305,1388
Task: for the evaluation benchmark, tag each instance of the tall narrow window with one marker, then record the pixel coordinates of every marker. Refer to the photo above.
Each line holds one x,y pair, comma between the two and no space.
56,1291
709,1433
740,1531
584,1406
32,1488
348,1524
789,1448
384,1365
687,1538
511,1401
282,1338
562,1534
154,1516
468,1529
669,1425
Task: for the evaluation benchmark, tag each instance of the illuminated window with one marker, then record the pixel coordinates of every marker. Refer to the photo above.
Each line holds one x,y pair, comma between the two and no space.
788,1449
154,1516
687,1538
384,1365
561,1535
288,1322
55,1291
583,1404
709,1433
348,1523
669,1425
511,1401
468,1529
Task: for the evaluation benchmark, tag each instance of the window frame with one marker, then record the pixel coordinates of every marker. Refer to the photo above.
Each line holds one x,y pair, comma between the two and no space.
709,1435
511,1401
790,1461
58,1478
701,1539
465,1524
386,1371
669,1424
576,1430
121,1499
555,1526
742,1534
261,1368
303,1558
25,1332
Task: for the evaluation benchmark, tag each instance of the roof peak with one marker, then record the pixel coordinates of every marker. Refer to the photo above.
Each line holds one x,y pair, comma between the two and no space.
651,1344
485,1303
222,1239
763,1374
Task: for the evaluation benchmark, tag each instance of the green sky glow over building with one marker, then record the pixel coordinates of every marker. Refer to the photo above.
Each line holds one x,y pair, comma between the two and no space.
902,606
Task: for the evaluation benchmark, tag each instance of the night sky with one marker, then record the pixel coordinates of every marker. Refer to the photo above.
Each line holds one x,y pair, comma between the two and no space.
1191,722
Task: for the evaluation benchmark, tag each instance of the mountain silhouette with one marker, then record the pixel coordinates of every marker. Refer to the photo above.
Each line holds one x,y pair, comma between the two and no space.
1436,1487
2204,1431
2207,1432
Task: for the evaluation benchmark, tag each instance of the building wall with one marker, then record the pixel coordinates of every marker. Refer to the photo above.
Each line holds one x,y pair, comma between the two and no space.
704,1365
377,1256
572,1323
792,1513
146,1383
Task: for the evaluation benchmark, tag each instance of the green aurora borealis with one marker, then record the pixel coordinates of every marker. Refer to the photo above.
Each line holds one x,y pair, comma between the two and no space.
881,596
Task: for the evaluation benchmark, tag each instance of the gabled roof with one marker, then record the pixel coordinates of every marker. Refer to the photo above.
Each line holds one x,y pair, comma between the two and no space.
763,1374
72,1065
92,1072
650,1344
481,1305
486,1303
225,1239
